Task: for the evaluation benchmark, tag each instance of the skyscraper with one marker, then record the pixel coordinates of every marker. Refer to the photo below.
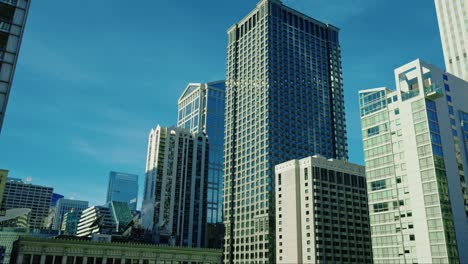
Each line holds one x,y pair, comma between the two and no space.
322,214
174,200
25,195
12,23
65,206
201,109
416,145
123,187
284,100
452,16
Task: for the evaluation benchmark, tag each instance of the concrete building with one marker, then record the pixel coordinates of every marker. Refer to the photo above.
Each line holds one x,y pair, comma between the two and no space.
284,101
322,214
3,179
43,251
25,195
18,217
175,194
415,146
123,187
8,236
13,14
201,109
111,219
64,206
95,220
452,16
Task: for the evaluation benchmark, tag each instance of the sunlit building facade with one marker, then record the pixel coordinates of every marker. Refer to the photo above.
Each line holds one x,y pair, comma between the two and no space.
452,16
321,212
175,193
415,146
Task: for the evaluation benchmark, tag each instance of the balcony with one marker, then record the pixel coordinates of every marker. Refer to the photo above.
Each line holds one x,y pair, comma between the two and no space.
10,2
5,26
410,94
433,91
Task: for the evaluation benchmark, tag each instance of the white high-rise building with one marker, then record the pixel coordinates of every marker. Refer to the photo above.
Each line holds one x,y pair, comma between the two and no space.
322,214
416,145
174,199
12,22
452,16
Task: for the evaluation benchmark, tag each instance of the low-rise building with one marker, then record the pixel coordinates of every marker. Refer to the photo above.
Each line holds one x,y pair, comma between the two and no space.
8,235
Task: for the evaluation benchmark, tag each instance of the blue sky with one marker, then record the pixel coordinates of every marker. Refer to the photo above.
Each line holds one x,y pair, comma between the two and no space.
94,77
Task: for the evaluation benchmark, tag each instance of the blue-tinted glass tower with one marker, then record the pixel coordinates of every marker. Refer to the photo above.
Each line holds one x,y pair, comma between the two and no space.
201,109
123,187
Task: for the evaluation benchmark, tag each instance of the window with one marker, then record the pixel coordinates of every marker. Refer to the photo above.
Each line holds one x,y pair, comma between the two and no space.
397,111
411,237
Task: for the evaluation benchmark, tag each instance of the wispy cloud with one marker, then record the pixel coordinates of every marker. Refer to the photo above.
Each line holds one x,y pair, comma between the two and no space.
47,59
116,154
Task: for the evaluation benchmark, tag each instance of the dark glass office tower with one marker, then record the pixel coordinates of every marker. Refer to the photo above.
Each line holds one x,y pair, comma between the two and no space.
284,100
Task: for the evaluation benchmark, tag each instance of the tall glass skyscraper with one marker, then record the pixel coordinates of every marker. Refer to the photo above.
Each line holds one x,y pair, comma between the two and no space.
416,145
123,187
201,109
284,100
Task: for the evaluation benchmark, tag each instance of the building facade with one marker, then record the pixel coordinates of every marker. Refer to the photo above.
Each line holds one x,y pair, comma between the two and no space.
415,146
18,217
201,109
64,206
123,187
284,100
3,179
25,195
55,198
43,251
322,214
70,223
8,236
95,220
175,194
12,22
453,26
